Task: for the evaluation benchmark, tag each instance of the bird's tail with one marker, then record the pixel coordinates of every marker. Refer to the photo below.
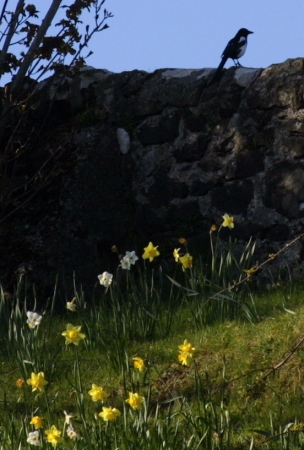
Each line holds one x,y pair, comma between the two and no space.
218,73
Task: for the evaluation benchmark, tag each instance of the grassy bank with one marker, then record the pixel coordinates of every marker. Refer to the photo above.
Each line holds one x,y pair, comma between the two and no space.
208,362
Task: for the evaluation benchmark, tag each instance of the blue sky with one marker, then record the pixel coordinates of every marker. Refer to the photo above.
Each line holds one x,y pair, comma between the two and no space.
152,34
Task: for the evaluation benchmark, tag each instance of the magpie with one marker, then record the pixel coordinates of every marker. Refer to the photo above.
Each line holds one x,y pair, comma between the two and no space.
235,48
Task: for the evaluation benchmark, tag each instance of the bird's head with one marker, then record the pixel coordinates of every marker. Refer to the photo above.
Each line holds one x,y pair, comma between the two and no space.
244,32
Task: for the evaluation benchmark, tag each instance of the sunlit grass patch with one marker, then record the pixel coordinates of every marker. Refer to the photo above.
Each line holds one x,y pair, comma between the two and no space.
145,364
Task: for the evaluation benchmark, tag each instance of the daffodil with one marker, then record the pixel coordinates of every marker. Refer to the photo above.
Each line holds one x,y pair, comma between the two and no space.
125,263
135,400
183,241
228,221
71,306
67,418
139,363
185,358
71,433
150,252
37,381
132,257
105,279
109,413
33,439
186,347
186,261
73,335
37,421
176,255
97,393
53,436
20,382
33,319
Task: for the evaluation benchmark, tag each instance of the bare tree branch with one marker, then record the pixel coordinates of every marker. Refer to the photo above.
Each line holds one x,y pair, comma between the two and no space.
11,31
29,57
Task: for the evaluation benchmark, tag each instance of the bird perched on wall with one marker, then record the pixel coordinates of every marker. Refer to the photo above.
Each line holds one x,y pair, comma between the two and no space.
235,48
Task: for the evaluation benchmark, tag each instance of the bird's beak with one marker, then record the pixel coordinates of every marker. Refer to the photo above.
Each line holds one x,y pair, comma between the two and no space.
250,32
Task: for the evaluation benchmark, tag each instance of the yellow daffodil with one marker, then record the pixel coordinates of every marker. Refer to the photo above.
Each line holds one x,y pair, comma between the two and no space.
109,413
139,363
150,252
37,381
176,254
228,221
186,261
20,382
73,335
185,358
97,393
53,436
186,347
135,400
37,421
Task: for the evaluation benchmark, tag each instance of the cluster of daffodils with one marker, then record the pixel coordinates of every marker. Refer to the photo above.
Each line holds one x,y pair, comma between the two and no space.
185,353
128,260
135,401
52,435
185,259
151,252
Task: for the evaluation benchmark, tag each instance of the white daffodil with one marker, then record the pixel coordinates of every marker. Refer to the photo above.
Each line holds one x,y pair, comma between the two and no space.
125,263
33,319
33,439
72,434
68,418
105,279
131,257
71,305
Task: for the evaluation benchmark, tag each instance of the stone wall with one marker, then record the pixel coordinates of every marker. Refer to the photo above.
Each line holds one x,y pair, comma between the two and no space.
156,156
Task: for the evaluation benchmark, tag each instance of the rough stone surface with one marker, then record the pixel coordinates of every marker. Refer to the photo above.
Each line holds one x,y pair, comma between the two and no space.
197,151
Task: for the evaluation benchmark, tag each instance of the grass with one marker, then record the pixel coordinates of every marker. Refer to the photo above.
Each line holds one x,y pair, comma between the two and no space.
242,386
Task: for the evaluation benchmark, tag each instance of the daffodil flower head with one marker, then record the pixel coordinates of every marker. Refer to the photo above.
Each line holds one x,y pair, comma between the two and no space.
105,279
33,319
34,439
37,381
71,433
132,257
20,382
97,393
150,252
73,335
186,261
109,413
53,436
125,263
186,347
176,255
135,400
228,221
139,363
71,306
183,241
185,358
37,421
67,418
